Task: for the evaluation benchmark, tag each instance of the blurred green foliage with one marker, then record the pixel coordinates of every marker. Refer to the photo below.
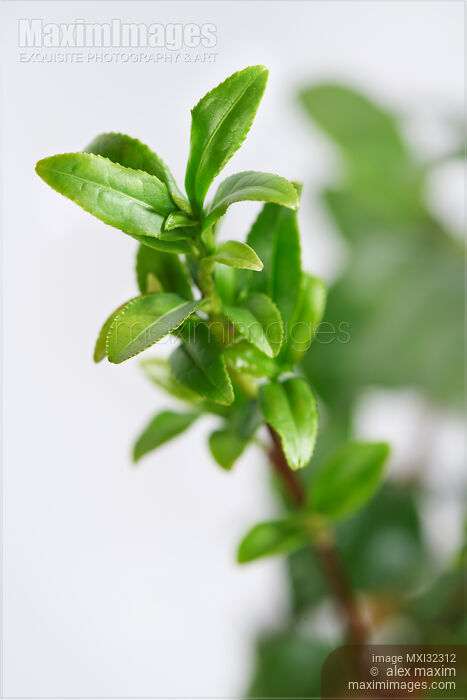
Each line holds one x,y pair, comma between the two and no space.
401,292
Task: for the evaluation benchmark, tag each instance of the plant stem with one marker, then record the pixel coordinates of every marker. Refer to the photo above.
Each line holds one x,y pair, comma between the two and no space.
325,549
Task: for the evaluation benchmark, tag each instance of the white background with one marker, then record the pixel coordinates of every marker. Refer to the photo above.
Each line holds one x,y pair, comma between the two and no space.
122,580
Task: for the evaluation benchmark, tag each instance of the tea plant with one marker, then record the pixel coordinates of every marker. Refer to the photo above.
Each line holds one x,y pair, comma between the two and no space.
244,314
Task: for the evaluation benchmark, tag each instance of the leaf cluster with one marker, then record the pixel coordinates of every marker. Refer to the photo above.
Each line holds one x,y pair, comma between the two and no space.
241,312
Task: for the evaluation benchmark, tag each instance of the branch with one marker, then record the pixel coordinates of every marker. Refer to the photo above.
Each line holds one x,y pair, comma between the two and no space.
324,548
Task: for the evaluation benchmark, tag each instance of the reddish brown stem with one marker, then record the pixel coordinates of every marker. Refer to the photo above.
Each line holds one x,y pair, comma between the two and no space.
324,548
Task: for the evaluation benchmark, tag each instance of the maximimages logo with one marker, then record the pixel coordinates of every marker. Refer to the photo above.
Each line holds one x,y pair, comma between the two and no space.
35,33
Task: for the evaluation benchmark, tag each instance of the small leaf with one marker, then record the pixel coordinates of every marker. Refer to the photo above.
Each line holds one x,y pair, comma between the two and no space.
228,443
131,153
306,317
144,321
273,537
243,357
161,429
276,239
178,219
220,123
236,254
199,365
130,200
226,447
100,350
290,408
258,320
172,247
167,268
251,186
348,479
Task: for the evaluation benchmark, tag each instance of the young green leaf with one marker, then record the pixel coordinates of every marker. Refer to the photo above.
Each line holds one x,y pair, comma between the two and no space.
131,153
172,247
236,254
290,408
130,200
167,268
161,429
307,314
144,321
276,239
220,123
273,537
348,479
198,364
178,219
258,320
251,186
100,349
243,357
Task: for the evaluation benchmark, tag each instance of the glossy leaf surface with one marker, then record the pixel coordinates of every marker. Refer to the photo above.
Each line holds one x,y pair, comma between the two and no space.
144,321
290,408
258,320
220,123
198,364
251,186
131,153
130,200
237,254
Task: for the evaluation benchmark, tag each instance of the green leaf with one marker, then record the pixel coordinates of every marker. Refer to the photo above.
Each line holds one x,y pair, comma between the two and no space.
228,443
130,200
243,357
226,447
251,186
198,364
355,123
144,321
220,123
273,537
236,254
258,320
158,371
100,349
131,153
276,239
306,317
161,429
166,267
173,247
178,219
290,408
348,479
